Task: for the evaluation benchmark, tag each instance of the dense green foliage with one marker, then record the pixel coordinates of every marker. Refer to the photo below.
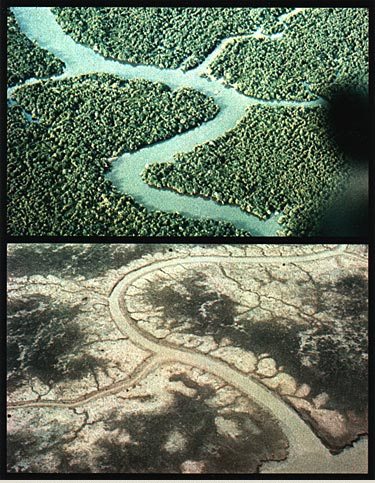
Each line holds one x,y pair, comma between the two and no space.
25,59
321,47
56,182
276,159
166,37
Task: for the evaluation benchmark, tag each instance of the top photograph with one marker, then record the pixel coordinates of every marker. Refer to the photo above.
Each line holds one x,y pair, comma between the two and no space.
187,121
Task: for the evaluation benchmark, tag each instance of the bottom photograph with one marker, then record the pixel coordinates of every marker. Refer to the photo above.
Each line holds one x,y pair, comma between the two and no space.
182,359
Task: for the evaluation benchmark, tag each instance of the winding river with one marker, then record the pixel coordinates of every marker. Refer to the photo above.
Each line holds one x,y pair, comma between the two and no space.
39,25
306,453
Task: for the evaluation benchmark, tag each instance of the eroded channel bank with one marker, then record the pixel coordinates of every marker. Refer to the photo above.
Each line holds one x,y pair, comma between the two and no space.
306,451
305,448
40,25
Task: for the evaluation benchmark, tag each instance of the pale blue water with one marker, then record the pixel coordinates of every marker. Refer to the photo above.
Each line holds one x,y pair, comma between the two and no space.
39,24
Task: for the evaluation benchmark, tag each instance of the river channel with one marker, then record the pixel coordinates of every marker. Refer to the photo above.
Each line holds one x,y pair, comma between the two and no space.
39,24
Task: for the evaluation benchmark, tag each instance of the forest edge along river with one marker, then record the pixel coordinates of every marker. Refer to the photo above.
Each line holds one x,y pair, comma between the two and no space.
39,25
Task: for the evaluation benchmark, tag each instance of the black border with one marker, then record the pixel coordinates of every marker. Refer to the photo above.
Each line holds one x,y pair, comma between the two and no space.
4,239
188,240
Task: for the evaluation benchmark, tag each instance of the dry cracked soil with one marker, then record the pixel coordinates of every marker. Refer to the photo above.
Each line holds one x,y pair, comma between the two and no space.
187,358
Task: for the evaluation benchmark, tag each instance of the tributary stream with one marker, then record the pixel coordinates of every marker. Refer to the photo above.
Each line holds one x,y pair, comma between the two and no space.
40,25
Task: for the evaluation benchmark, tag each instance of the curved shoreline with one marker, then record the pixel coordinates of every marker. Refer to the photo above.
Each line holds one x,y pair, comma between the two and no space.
126,169
301,438
306,451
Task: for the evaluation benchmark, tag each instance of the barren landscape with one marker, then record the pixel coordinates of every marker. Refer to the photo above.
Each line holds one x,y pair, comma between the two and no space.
187,358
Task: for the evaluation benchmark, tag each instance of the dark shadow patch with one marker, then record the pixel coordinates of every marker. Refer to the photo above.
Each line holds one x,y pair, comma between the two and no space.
349,118
20,446
341,346
349,124
279,340
209,311
346,298
149,447
43,341
31,451
204,391
330,358
348,213
69,261
66,465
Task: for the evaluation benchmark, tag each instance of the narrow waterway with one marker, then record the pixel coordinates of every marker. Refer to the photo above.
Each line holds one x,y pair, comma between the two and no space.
40,25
